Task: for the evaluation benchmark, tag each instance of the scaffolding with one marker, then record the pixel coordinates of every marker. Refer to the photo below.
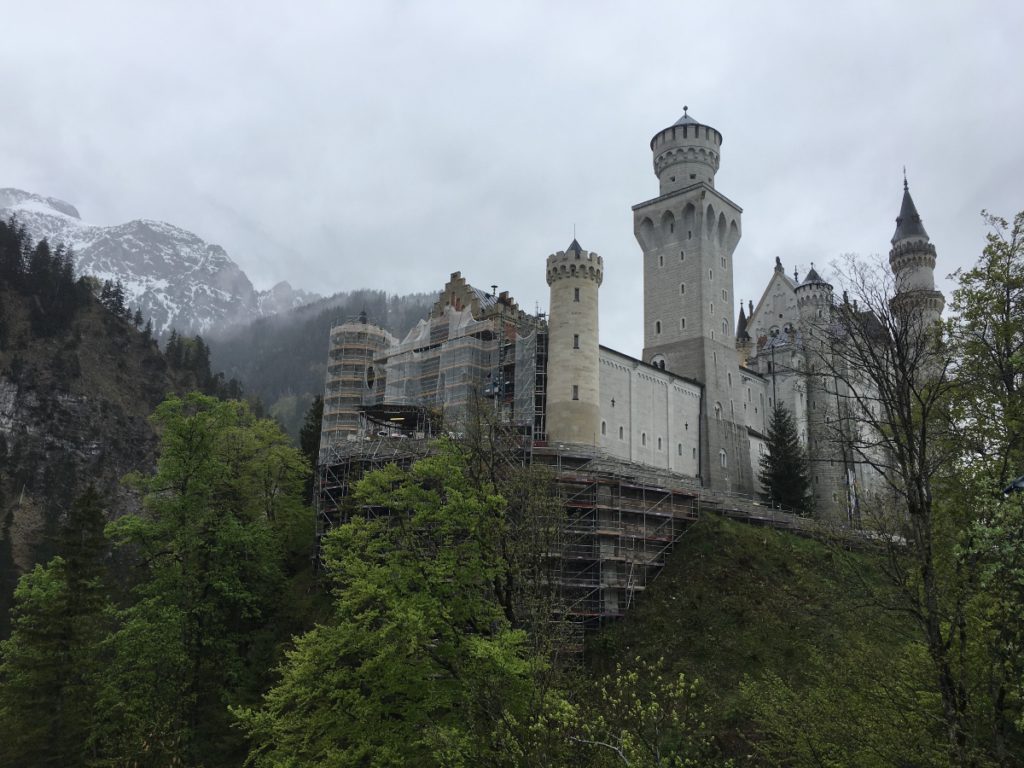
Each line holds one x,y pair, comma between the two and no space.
353,379
387,435
620,524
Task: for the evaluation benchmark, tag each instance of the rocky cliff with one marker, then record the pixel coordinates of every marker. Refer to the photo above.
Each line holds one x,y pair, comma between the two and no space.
73,411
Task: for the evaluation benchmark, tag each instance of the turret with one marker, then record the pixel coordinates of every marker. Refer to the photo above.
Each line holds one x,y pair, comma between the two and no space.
573,406
813,299
353,379
686,153
912,260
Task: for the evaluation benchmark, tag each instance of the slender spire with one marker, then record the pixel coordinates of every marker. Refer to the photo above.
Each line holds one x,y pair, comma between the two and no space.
741,325
908,223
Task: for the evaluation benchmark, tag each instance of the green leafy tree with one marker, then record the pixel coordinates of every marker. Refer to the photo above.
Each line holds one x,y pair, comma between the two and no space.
642,718
222,510
986,335
419,664
51,665
864,707
784,472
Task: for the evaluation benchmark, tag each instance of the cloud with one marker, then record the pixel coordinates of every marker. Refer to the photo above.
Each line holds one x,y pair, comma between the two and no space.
388,144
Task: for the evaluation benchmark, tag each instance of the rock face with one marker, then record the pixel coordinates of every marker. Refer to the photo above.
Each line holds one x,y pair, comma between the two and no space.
74,410
175,277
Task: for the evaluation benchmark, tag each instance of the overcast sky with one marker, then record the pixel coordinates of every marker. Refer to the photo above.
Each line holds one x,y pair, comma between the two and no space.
387,144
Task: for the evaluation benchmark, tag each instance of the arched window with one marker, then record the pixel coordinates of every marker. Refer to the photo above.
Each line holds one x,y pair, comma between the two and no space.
620,433
643,438
657,326
659,443
682,288
718,411
679,448
723,458
604,428
682,323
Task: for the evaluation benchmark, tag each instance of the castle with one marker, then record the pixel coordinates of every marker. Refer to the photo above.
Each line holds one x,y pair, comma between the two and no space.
649,438
697,402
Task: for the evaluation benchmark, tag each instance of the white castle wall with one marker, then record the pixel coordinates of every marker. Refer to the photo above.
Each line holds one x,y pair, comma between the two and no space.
655,418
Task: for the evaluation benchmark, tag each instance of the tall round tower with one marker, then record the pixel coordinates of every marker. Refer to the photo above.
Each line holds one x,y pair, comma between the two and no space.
912,260
686,153
573,407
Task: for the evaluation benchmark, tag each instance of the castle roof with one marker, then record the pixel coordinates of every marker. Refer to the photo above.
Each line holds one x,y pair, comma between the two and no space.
812,277
686,119
908,223
574,247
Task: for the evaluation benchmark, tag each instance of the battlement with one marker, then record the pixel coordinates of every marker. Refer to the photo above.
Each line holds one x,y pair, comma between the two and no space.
583,265
816,293
912,253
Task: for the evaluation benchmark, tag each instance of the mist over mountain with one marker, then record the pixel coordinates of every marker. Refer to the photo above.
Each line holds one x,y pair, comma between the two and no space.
282,359
172,275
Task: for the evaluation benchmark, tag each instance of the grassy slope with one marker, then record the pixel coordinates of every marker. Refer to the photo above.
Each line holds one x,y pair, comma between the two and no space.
737,601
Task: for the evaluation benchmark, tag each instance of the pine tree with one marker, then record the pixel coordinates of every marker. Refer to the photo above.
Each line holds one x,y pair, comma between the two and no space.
784,472
173,349
50,666
117,300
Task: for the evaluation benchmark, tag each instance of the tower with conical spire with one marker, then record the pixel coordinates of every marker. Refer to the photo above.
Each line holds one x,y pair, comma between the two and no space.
688,234
912,259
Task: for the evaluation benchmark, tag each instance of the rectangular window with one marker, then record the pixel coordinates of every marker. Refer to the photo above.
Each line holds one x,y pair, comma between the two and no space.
575,392
575,294
575,341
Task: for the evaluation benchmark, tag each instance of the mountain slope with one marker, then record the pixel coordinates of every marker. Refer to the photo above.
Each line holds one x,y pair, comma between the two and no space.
175,278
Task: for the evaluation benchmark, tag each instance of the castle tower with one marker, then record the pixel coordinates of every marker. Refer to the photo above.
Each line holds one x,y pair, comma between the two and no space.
813,301
825,443
573,405
688,234
912,260
352,379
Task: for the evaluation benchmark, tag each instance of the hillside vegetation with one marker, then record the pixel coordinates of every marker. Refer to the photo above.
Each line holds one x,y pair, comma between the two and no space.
793,639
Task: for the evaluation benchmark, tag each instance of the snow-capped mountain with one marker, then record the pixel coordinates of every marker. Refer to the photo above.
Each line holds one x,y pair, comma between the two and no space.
175,277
